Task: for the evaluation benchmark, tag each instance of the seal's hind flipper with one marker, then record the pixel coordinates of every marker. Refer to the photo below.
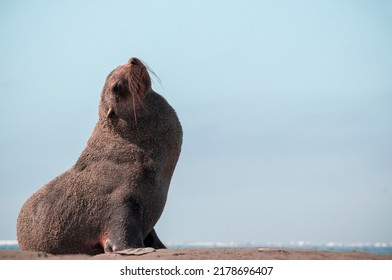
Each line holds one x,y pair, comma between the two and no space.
152,240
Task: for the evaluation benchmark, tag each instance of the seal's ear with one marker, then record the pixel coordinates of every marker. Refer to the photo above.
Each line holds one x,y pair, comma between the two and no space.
110,112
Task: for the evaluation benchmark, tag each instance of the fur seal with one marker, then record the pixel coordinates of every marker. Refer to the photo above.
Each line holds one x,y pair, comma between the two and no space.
112,197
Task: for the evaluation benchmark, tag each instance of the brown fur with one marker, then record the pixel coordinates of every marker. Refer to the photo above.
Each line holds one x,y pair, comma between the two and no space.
113,196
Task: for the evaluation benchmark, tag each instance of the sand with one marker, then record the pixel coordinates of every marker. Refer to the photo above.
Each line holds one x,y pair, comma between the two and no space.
205,254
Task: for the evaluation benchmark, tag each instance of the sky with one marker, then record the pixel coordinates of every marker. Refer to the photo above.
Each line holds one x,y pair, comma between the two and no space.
286,108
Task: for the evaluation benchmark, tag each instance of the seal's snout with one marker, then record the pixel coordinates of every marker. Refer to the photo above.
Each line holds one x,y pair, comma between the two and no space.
133,61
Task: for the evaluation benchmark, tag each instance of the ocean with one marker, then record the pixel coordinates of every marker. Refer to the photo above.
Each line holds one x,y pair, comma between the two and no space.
374,248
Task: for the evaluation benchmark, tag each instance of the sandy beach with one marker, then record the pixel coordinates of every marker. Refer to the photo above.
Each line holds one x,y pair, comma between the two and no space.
205,254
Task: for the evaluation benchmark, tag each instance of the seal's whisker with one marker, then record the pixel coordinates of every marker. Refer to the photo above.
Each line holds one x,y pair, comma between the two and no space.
141,102
153,73
136,87
134,109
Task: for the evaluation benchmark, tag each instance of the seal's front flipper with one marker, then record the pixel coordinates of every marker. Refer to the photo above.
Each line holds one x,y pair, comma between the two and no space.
152,240
135,252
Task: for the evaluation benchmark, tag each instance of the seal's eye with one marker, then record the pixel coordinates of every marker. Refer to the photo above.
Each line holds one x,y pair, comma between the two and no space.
118,89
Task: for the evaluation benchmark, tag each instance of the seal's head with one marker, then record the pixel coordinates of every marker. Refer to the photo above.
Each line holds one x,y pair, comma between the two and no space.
125,89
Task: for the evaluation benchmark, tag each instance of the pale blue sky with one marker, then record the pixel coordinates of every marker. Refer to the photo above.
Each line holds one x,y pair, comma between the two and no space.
286,108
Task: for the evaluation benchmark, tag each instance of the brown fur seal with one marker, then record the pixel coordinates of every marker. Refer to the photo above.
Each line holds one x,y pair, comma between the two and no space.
111,199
